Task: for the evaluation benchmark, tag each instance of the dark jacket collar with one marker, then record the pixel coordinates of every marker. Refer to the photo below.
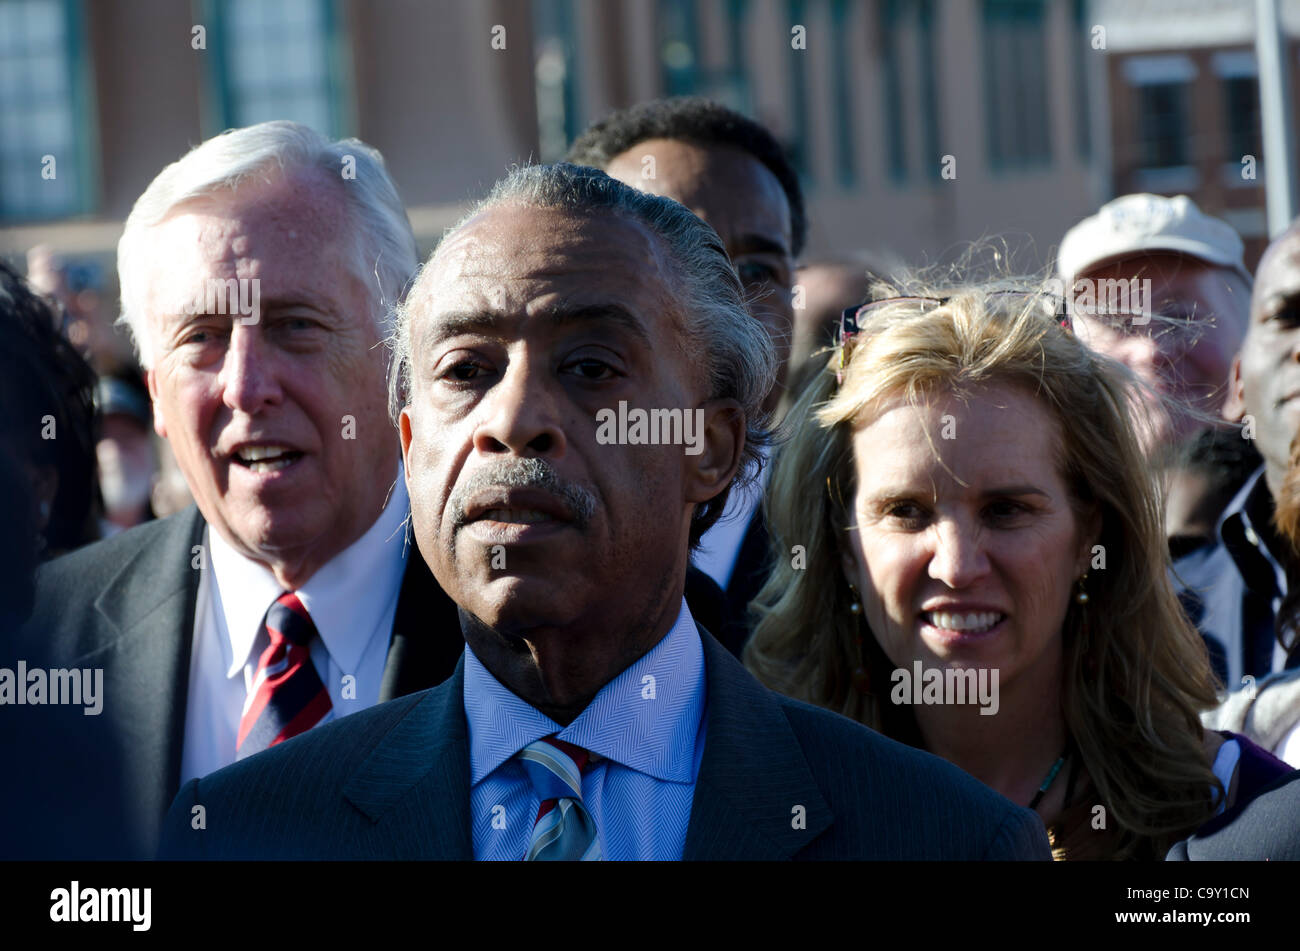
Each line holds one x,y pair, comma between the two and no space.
1246,530
755,797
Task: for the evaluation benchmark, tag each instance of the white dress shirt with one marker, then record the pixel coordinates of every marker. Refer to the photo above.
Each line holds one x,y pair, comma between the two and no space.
352,599
1288,748
720,545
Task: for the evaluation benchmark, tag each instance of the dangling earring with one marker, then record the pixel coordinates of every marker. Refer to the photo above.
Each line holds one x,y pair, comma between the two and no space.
861,675
1081,598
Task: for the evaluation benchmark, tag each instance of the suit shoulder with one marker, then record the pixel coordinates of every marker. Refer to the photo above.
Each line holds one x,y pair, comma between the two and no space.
278,803
110,554
831,732
332,748
67,587
867,774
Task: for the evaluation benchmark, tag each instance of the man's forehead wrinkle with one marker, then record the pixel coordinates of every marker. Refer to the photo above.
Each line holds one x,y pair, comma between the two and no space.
477,249
301,205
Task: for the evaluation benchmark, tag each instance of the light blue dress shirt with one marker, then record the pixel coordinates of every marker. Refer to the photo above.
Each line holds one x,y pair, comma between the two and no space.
648,723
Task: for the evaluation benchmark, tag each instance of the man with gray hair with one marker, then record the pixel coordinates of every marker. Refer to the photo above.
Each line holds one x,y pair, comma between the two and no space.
257,277
578,384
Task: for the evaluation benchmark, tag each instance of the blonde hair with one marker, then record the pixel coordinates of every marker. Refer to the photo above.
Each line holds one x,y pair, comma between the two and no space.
1135,672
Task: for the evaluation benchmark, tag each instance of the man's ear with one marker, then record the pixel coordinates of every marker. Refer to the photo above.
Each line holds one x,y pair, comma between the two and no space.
404,433
1234,404
159,424
714,444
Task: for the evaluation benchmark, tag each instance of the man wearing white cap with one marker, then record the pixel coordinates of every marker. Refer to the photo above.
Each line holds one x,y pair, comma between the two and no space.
1186,329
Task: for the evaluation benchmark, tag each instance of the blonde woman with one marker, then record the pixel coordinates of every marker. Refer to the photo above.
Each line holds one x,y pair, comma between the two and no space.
971,560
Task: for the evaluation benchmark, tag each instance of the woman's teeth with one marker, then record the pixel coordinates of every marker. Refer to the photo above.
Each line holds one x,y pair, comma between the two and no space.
967,623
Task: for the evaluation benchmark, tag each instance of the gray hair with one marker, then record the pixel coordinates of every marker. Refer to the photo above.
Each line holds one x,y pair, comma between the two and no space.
737,355
385,251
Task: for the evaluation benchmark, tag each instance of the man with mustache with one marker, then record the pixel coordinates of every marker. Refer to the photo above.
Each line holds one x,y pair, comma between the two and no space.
591,717
1233,589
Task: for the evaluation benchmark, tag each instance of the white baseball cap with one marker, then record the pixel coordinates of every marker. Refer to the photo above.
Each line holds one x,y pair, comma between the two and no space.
1132,225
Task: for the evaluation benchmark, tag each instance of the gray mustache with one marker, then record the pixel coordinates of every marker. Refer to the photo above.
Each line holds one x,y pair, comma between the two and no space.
531,473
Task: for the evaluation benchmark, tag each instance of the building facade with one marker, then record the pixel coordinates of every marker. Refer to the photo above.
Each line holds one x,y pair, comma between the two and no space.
919,126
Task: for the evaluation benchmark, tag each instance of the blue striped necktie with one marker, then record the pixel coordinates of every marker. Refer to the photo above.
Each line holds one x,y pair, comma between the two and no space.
564,829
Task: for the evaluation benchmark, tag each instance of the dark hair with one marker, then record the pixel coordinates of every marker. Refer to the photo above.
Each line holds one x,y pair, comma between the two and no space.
1223,455
42,375
701,122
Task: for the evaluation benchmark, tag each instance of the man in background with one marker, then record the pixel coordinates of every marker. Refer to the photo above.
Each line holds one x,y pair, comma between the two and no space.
1233,589
1181,337
125,452
732,173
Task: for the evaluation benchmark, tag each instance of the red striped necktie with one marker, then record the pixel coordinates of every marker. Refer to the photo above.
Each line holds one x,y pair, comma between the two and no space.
288,697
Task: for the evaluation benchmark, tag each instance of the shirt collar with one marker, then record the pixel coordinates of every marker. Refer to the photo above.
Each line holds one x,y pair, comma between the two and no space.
347,597
638,719
1246,530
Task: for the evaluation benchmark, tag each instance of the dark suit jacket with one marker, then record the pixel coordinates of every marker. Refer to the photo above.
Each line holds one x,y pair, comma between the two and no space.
126,605
1266,827
392,782
753,565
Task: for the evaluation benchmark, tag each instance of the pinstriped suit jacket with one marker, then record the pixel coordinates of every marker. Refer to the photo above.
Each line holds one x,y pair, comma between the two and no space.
779,780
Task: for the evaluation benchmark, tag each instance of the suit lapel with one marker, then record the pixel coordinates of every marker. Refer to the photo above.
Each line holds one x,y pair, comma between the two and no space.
753,776
427,641
426,755
149,609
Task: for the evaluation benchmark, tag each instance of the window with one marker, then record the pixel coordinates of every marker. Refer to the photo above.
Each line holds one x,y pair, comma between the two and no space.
909,67
892,87
1162,125
686,71
43,166
278,59
927,69
1015,84
1239,83
1082,41
841,93
800,127
679,46
556,77
1162,91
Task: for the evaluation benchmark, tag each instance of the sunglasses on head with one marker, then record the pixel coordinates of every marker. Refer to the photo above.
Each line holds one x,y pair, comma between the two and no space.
851,319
